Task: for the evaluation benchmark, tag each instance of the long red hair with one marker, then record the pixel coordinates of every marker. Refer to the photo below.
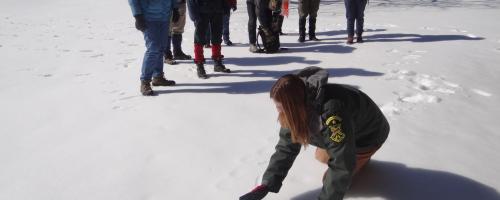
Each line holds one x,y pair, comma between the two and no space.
290,92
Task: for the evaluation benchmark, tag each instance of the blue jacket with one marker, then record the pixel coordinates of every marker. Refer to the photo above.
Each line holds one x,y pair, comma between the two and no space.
153,10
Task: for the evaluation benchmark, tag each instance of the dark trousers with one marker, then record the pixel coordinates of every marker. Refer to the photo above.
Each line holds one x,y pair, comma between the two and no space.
263,14
208,22
225,28
355,12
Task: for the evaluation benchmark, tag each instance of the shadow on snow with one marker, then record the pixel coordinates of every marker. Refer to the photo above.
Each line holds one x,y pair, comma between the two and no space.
257,86
394,181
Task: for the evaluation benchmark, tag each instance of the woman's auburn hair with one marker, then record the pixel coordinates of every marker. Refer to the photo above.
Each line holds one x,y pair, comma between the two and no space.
290,91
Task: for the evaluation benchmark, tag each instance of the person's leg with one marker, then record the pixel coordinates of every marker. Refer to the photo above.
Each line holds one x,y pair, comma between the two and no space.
252,23
281,18
201,27
360,19
216,21
177,31
252,27
158,75
208,35
302,8
163,39
200,30
349,8
225,29
167,55
362,158
155,37
313,13
154,50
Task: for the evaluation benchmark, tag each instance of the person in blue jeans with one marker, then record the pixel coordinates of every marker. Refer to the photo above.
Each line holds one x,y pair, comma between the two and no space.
355,12
152,18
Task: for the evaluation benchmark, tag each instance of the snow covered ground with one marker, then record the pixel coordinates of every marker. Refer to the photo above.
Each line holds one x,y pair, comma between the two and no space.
74,126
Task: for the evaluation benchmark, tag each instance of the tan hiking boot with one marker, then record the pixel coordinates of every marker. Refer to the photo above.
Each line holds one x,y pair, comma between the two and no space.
161,81
146,88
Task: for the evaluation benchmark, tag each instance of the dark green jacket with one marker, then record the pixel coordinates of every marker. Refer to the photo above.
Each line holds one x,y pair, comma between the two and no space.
350,122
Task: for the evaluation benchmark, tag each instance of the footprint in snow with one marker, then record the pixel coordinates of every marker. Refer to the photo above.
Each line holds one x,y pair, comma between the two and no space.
482,93
85,74
97,55
420,98
428,28
390,109
412,57
392,51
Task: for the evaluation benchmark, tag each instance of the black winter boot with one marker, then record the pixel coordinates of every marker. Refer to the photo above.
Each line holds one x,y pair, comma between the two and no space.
302,29
359,38
178,54
312,29
219,67
146,88
200,70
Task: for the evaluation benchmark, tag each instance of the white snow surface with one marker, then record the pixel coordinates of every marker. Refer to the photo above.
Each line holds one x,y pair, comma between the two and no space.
74,125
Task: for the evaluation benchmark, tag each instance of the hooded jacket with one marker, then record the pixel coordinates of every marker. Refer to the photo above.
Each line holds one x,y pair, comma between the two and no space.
153,10
343,121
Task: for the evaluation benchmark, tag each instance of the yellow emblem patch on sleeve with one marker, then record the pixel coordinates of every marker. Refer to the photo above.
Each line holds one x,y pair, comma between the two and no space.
335,126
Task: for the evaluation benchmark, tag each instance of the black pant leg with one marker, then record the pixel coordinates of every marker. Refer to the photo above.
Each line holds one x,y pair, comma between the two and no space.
252,23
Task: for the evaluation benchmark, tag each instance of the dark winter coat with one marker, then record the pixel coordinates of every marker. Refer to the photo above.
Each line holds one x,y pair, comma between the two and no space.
344,121
197,7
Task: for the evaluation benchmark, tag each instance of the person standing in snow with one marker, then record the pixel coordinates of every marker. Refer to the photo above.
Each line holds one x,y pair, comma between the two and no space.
355,13
258,10
225,24
205,13
175,37
152,18
308,8
345,125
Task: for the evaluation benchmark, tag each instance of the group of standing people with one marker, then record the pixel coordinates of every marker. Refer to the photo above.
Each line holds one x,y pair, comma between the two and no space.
162,23
345,125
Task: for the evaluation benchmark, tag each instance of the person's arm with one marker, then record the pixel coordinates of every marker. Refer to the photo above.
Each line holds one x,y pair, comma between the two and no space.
281,161
135,5
342,152
140,22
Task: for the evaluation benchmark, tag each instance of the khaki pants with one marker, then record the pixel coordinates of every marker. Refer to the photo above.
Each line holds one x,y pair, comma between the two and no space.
361,158
178,27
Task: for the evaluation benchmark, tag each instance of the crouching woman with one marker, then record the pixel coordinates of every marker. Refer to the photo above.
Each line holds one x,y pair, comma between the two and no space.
345,125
